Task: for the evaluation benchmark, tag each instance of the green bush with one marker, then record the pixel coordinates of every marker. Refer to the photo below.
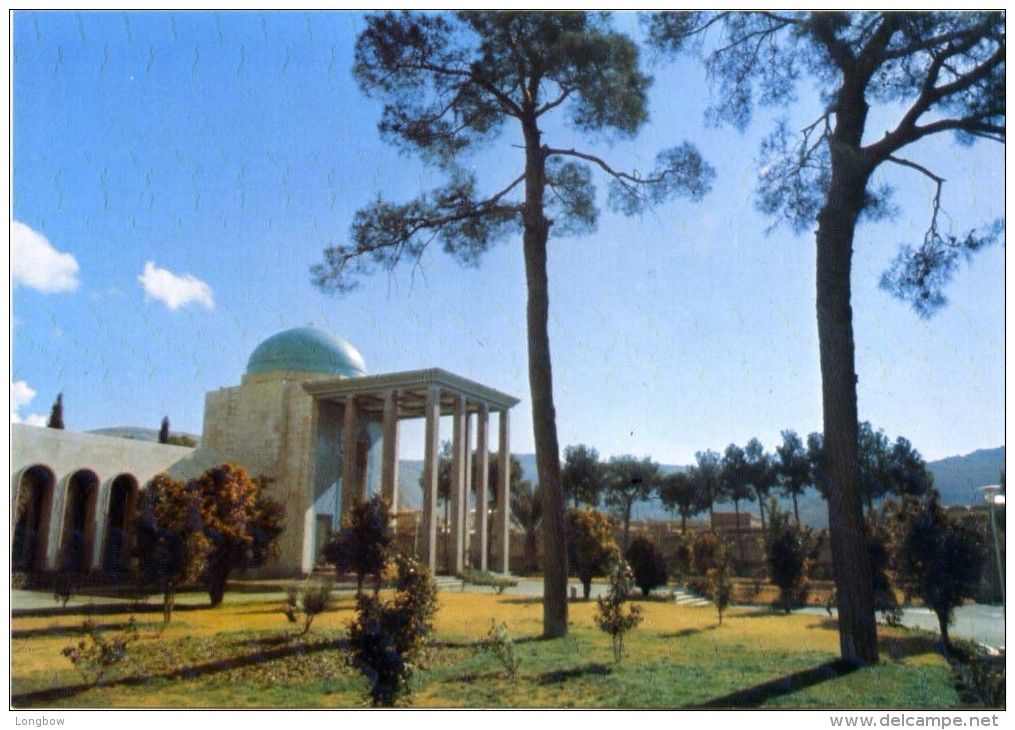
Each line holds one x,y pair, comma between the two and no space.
363,544
648,564
790,550
94,655
304,603
704,552
610,616
499,643
387,638
719,580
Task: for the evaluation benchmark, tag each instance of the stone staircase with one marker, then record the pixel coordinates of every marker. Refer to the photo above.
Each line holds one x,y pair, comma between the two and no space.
686,597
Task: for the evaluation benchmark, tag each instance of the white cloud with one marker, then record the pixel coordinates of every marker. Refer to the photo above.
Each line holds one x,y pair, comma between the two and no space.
173,290
37,265
22,395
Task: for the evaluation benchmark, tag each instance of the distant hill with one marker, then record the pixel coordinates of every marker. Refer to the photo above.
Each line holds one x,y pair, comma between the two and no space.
957,478
139,434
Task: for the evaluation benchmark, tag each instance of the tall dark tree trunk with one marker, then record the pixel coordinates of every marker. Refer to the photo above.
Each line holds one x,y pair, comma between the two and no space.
942,621
761,510
834,239
796,509
531,550
544,417
168,599
217,578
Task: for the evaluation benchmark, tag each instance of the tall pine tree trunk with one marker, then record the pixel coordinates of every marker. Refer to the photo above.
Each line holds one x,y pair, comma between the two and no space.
544,417
834,239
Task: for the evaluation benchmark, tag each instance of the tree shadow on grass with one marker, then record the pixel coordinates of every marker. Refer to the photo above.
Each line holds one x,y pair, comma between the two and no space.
104,609
759,694
73,630
690,632
558,676
194,671
280,608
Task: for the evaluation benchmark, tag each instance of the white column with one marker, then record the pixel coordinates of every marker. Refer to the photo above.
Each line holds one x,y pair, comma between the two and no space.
459,497
482,484
101,523
502,518
389,466
56,520
350,434
431,466
466,545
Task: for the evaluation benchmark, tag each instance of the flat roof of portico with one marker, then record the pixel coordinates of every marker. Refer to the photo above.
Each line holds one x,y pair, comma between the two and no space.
412,387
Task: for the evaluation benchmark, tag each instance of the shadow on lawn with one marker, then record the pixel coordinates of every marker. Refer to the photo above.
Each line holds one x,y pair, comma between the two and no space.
195,671
690,632
562,675
72,630
104,609
280,608
759,694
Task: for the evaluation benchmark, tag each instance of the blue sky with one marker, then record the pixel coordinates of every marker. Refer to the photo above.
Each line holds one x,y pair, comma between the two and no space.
175,175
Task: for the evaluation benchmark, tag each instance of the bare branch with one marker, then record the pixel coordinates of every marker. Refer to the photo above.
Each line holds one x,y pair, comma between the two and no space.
917,166
561,98
602,164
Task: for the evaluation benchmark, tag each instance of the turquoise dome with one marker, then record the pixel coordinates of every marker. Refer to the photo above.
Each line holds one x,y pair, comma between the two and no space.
307,350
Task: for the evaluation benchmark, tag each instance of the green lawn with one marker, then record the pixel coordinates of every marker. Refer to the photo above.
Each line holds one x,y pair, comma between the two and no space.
246,655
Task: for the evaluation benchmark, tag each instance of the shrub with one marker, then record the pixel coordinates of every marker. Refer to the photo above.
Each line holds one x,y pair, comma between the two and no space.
363,544
65,587
498,642
386,638
939,558
704,550
682,558
306,602
720,582
241,523
94,654
647,563
591,549
170,546
790,549
610,616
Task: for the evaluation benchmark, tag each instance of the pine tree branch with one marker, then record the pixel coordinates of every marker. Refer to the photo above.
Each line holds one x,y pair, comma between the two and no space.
603,165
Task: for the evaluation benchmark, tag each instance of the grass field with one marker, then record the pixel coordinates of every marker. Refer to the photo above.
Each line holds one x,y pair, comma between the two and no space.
246,655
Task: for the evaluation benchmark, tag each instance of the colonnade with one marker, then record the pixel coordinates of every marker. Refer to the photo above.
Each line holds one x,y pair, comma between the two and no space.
431,394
